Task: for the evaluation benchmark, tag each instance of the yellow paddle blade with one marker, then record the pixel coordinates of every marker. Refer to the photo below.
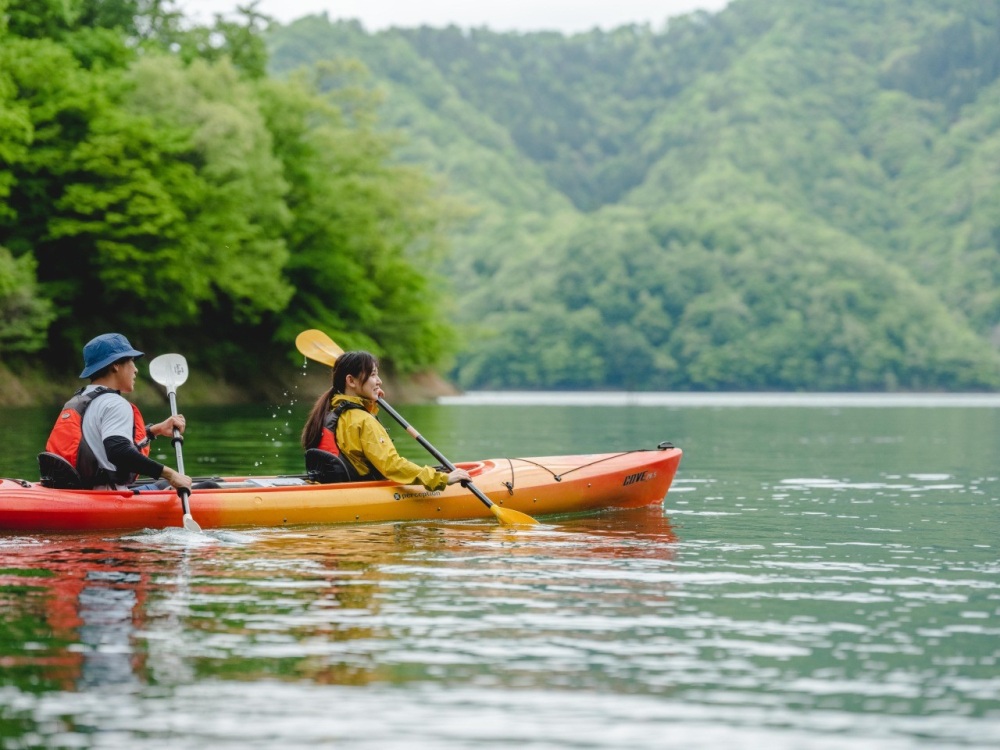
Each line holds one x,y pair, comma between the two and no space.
509,517
317,346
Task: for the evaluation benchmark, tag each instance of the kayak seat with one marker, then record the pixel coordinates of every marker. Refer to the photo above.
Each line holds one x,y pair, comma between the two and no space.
55,471
326,468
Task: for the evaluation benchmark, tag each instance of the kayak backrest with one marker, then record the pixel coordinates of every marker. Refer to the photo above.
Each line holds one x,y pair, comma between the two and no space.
327,468
55,471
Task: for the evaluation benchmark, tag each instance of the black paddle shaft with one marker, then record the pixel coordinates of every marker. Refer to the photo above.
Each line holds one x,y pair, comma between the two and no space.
433,451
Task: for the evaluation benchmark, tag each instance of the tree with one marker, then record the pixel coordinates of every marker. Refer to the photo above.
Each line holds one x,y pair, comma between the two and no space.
364,233
24,316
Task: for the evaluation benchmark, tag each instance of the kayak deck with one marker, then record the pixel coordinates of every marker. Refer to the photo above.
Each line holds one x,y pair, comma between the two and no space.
537,486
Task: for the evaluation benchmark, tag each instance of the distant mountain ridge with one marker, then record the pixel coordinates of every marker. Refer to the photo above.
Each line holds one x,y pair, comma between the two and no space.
777,196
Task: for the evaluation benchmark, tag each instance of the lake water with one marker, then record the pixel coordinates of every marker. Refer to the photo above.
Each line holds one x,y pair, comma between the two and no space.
823,574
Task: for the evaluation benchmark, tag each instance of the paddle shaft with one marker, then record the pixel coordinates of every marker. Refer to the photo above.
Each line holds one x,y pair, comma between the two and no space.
434,451
184,493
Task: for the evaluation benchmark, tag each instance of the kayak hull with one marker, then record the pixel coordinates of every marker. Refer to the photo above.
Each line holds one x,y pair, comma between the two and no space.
540,486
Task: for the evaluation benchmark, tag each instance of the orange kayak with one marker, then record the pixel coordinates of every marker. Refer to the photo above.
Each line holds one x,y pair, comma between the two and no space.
540,486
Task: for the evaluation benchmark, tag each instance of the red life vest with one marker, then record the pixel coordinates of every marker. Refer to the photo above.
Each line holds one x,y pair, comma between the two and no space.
328,441
328,437
66,438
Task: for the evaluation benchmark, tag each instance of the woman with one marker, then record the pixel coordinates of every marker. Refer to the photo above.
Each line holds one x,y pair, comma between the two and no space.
343,422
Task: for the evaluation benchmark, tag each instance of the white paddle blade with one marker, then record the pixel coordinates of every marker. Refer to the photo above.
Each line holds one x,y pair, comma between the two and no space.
169,370
190,524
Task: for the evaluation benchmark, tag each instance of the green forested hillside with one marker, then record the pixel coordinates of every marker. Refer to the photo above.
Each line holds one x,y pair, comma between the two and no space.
780,195
155,180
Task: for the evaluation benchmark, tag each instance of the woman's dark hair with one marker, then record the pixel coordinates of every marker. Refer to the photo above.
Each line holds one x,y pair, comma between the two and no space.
359,364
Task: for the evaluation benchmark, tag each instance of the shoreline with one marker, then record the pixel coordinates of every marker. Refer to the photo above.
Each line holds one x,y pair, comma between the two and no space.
36,390
728,399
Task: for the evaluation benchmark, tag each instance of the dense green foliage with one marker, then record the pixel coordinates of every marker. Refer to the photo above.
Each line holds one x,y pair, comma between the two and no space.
783,195
155,181
780,195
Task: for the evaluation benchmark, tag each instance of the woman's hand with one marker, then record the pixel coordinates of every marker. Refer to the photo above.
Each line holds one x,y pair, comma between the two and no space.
459,475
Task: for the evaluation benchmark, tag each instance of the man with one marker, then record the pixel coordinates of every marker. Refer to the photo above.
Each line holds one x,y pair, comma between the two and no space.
101,433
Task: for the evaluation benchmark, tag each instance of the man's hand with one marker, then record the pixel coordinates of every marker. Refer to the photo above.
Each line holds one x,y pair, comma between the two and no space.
176,479
166,427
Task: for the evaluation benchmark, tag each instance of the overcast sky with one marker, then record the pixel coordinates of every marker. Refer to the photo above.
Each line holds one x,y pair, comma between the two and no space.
568,16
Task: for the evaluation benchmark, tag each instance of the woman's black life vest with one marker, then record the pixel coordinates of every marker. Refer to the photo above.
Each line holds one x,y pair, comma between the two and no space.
326,463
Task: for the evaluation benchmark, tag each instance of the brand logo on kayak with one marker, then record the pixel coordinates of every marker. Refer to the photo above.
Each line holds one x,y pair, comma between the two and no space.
642,476
411,495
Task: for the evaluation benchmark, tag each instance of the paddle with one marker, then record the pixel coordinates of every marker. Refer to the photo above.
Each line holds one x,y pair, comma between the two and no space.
170,371
319,347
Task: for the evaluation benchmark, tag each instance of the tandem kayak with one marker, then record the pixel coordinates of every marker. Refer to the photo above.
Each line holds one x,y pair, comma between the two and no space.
538,486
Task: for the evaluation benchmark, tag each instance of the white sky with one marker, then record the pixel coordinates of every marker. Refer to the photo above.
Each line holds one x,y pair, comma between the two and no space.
568,16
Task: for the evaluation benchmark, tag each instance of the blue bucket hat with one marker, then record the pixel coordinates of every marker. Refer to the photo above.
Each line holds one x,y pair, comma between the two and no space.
102,350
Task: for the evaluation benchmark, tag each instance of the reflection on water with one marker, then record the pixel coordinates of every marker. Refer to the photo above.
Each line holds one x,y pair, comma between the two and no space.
815,579
85,601
106,604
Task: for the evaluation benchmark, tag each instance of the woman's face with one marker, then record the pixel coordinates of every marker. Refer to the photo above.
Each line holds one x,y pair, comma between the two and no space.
370,389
